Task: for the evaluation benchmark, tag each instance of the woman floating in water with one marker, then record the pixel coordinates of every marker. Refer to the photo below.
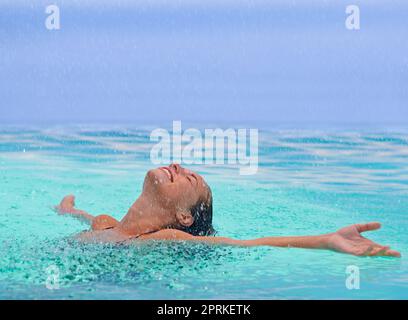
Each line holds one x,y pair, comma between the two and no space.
176,204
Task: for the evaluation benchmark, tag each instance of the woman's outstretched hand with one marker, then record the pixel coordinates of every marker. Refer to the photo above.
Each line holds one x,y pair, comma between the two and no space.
349,240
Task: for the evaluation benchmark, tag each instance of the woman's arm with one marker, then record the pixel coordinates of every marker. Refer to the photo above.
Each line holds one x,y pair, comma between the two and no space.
346,240
67,206
315,242
100,222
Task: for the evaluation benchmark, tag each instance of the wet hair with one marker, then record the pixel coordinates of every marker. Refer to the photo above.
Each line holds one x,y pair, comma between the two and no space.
202,213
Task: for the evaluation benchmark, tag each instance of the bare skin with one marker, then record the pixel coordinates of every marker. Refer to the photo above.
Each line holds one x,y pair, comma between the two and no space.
164,206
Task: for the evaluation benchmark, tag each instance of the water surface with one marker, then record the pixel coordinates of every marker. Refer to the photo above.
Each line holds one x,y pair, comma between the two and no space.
309,182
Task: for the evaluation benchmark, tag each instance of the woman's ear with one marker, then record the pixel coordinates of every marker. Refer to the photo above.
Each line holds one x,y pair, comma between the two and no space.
184,218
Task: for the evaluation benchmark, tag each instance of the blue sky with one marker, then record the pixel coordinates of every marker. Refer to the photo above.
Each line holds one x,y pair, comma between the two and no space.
204,61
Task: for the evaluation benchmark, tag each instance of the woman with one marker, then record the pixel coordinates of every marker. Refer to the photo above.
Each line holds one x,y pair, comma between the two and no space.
176,204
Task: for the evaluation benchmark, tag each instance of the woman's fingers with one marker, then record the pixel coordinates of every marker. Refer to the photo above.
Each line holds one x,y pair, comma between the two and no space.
392,253
380,250
363,227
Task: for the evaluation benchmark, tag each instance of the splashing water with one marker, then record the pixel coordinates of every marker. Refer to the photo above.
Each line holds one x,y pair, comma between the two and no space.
309,182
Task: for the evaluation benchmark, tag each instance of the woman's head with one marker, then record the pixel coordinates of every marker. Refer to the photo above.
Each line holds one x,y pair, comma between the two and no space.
183,196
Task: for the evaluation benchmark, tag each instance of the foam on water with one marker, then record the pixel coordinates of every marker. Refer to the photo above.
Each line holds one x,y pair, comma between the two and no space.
308,182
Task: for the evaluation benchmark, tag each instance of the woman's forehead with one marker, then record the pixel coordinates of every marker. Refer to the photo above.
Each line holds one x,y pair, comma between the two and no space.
208,192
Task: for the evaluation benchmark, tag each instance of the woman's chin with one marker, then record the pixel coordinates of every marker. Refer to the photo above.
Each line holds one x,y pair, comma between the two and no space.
157,176
154,180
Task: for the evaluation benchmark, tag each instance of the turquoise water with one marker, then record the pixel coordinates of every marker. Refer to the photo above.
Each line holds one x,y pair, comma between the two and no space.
309,182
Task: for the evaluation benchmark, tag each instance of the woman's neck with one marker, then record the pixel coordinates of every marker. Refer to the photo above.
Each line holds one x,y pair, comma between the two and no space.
144,216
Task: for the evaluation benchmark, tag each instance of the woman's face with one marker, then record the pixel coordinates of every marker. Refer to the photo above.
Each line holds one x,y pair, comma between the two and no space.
175,188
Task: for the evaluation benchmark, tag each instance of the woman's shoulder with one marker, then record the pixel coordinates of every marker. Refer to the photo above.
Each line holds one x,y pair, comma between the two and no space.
167,234
102,236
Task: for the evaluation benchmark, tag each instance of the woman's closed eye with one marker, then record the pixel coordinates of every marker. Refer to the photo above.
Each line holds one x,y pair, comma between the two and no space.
192,178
